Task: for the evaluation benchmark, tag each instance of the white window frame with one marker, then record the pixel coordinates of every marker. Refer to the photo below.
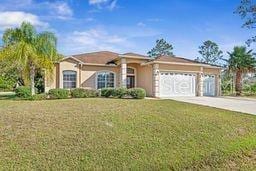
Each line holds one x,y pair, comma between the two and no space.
70,81
104,71
135,75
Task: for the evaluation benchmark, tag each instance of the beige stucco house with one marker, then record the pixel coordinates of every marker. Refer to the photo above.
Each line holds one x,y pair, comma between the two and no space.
165,76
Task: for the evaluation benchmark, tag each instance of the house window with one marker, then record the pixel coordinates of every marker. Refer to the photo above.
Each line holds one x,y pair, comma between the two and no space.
130,71
69,79
105,80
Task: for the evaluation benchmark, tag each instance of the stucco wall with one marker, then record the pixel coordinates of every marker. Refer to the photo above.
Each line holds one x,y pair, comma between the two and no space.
88,75
182,68
145,79
69,65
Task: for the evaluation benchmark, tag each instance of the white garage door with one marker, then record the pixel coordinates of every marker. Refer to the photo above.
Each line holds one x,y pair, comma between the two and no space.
209,85
177,84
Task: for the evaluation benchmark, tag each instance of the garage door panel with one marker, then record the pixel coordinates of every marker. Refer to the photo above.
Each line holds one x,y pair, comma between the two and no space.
177,84
209,85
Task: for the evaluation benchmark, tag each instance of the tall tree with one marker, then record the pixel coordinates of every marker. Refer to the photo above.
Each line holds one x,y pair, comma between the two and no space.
30,50
210,53
161,48
247,11
241,62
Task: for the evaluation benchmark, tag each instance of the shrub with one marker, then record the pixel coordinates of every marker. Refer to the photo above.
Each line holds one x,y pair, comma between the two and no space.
253,88
137,93
6,84
38,97
83,93
58,93
108,92
92,93
23,92
249,89
78,93
120,92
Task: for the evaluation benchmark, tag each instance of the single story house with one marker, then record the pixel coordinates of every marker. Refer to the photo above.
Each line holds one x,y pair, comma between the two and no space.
164,76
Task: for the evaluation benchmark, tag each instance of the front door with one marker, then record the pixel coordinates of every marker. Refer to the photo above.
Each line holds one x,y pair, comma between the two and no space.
130,81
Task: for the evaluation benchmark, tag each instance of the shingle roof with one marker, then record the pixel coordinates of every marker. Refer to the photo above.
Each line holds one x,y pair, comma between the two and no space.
174,59
134,54
102,57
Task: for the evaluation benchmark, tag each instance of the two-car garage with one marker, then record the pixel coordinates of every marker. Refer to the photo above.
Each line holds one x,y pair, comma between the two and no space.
173,84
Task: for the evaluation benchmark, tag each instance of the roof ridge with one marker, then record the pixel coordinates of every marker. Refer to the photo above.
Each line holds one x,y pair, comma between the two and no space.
76,55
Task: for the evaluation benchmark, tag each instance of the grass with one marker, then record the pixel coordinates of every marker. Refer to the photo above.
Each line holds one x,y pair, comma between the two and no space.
114,134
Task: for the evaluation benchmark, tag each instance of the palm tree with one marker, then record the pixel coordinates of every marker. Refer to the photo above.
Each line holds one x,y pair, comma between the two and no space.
30,50
241,62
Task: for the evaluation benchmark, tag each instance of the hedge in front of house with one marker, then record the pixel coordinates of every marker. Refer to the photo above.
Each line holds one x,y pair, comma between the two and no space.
120,92
108,92
83,93
23,92
58,93
137,93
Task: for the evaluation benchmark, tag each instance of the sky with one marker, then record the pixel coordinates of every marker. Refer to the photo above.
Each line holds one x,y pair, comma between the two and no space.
130,25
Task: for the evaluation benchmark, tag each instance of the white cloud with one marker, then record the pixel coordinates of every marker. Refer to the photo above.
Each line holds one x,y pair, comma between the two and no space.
51,9
94,40
9,4
107,4
94,2
113,5
15,18
61,9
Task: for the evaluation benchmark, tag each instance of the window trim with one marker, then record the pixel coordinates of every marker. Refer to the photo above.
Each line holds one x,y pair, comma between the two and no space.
63,77
135,75
99,72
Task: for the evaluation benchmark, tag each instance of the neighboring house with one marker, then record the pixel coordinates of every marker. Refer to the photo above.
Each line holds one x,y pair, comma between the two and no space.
165,76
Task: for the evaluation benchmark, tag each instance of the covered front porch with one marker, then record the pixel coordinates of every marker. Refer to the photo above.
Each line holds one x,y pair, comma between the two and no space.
133,74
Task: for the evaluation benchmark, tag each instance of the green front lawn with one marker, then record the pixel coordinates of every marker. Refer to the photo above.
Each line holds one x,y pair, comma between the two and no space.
114,134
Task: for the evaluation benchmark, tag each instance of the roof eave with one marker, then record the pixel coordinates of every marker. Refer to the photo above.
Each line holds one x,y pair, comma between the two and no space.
134,57
71,57
180,63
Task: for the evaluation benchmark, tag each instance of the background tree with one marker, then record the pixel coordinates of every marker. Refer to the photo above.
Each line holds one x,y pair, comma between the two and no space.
241,62
247,10
210,53
161,48
30,50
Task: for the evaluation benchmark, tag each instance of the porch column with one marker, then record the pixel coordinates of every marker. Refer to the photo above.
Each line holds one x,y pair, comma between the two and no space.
200,83
123,73
218,84
60,76
156,78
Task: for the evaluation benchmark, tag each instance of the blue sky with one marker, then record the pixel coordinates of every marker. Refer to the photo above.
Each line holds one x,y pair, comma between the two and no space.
130,25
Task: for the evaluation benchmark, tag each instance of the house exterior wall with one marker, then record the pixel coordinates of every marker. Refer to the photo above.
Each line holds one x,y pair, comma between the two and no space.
199,71
69,65
146,76
89,75
179,68
145,79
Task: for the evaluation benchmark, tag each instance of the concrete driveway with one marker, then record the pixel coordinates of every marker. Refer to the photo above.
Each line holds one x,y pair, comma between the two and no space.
244,105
